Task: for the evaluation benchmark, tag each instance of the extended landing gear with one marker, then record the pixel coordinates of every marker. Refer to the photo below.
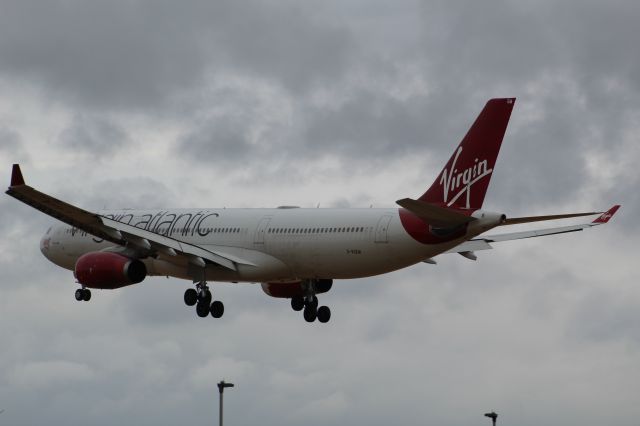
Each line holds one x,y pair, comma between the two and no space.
324,314
83,294
201,297
311,311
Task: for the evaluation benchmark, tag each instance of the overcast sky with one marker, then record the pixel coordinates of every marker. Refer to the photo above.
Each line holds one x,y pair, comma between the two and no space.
342,103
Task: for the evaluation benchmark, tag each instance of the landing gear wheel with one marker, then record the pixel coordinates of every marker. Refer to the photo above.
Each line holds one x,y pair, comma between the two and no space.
314,303
324,314
297,303
310,313
217,309
86,294
202,310
79,295
205,297
190,297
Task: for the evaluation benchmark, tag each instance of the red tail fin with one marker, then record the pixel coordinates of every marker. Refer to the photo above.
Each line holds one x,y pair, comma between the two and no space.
465,178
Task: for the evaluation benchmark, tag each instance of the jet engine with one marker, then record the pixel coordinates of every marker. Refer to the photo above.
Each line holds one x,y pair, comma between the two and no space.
296,288
108,270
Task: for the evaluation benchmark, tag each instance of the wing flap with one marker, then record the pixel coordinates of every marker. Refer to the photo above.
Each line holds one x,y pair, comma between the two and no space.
535,233
471,245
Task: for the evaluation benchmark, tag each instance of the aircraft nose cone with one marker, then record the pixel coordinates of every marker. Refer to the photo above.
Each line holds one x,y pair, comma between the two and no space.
45,242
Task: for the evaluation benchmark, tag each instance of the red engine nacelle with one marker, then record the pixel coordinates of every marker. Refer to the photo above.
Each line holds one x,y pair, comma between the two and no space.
108,270
295,288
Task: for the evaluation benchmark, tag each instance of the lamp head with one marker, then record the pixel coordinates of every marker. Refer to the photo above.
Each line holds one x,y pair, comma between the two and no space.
223,385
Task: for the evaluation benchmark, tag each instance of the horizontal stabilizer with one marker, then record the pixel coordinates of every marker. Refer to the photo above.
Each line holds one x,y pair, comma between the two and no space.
433,214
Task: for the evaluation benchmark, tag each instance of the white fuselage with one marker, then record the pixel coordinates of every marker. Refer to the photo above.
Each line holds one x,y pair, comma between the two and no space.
281,244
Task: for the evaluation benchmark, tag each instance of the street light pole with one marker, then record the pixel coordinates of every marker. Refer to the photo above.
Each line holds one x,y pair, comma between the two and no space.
221,387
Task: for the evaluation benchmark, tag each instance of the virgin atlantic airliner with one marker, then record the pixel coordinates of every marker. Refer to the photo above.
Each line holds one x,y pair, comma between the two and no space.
294,253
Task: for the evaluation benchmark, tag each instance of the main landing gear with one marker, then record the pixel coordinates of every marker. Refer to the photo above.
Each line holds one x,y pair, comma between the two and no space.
83,294
309,305
201,297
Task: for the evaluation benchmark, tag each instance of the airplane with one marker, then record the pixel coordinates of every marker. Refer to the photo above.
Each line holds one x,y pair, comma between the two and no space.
295,253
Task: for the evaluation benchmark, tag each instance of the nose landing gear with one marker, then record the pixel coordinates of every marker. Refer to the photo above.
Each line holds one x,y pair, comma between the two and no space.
83,294
201,297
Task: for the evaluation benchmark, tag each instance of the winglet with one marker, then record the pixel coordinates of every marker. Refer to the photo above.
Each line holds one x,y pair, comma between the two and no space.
16,176
606,216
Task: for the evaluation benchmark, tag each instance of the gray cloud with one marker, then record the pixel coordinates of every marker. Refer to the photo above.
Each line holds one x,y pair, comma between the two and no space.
101,54
259,101
603,317
11,145
139,54
220,140
94,136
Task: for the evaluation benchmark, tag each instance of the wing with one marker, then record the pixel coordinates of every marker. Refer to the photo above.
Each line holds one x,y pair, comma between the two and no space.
482,243
145,242
441,216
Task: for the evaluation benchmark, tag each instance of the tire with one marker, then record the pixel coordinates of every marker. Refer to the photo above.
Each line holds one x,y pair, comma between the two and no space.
190,297
86,294
310,314
79,295
297,303
217,309
207,297
324,314
202,310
